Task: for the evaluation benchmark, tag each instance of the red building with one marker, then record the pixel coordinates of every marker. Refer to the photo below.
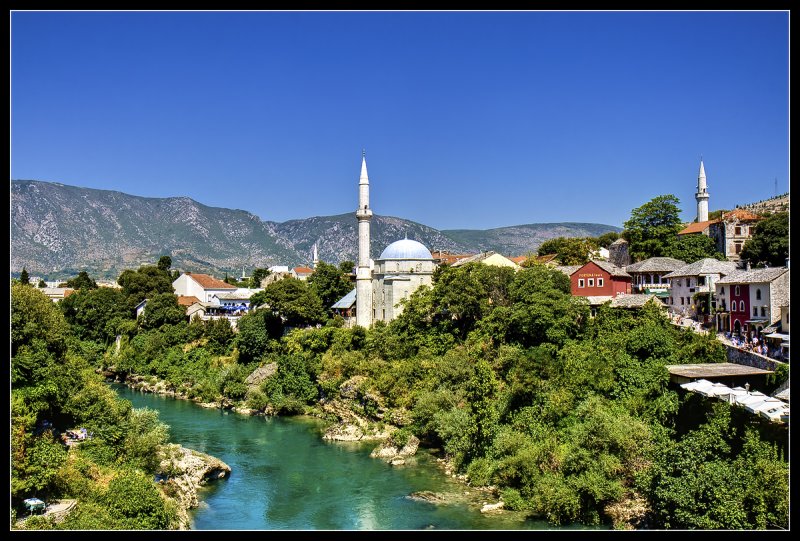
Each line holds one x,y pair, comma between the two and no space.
600,278
739,295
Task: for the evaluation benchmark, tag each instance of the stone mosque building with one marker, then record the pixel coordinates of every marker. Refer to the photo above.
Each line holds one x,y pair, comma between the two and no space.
381,284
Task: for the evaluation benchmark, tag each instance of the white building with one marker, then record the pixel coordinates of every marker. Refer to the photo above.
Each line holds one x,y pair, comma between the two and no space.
201,286
692,285
402,267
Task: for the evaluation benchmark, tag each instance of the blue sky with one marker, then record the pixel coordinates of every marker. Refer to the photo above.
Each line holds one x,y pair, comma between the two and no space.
470,120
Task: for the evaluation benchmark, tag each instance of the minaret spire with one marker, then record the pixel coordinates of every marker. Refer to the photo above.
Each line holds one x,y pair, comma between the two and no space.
363,272
702,194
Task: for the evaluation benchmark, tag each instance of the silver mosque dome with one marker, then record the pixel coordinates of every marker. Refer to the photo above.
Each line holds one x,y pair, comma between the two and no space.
406,249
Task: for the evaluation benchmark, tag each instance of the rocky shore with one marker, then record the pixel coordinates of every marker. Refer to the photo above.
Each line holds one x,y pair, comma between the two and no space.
185,471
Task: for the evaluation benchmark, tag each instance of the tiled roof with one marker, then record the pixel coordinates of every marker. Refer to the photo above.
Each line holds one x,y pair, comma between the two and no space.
303,270
754,276
741,215
520,259
634,300
696,227
569,270
209,282
656,264
704,266
610,268
187,300
594,300
548,258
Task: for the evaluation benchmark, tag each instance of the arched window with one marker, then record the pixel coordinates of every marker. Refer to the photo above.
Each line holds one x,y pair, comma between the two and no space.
736,291
741,306
758,294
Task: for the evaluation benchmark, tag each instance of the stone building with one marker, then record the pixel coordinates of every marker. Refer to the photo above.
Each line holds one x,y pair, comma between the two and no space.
692,287
750,300
402,267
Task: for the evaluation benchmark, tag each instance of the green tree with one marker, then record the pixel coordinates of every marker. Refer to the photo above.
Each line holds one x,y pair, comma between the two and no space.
570,250
162,309
41,284
481,391
652,228
23,277
82,281
769,245
134,500
220,335
691,248
293,300
256,331
606,239
144,283
329,283
96,314
347,267
164,263
257,277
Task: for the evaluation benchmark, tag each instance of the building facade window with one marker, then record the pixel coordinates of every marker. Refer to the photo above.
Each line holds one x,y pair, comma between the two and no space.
599,282
580,282
670,300
737,231
590,282
758,294
701,280
763,312
755,311
722,290
736,291
681,301
741,306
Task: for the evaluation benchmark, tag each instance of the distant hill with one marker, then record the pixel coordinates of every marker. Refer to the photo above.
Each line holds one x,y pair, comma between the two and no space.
59,230
522,239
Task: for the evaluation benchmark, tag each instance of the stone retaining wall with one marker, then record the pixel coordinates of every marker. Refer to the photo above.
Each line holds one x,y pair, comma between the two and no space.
748,358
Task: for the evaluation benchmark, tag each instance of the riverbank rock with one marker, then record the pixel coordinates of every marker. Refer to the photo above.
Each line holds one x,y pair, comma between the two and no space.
631,513
186,471
351,426
394,454
428,496
492,507
260,375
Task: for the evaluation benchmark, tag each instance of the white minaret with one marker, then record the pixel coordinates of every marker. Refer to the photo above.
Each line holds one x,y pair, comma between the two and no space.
702,195
315,256
363,273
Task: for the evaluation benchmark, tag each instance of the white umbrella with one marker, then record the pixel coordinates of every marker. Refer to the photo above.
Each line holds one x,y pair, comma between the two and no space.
780,413
767,404
717,390
698,386
749,398
732,393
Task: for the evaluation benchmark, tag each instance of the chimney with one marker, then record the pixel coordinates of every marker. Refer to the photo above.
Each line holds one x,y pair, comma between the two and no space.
747,264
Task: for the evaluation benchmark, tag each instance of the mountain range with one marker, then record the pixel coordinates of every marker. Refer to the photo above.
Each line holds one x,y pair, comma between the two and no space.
58,230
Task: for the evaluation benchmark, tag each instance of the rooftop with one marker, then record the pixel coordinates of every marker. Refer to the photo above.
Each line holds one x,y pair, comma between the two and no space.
753,276
704,266
610,268
696,227
714,370
656,264
209,282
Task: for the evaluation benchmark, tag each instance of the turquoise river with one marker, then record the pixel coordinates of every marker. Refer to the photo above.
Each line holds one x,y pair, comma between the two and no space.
284,476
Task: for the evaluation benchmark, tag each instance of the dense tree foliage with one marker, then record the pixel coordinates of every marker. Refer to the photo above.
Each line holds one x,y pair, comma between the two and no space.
23,277
329,283
293,300
82,281
145,282
769,245
54,388
504,372
691,248
569,250
652,228
96,314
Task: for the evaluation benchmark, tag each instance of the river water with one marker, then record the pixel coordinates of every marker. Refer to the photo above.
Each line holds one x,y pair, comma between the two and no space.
284,476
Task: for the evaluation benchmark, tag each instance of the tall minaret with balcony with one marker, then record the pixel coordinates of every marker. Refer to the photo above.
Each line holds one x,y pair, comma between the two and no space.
702,195
363,273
